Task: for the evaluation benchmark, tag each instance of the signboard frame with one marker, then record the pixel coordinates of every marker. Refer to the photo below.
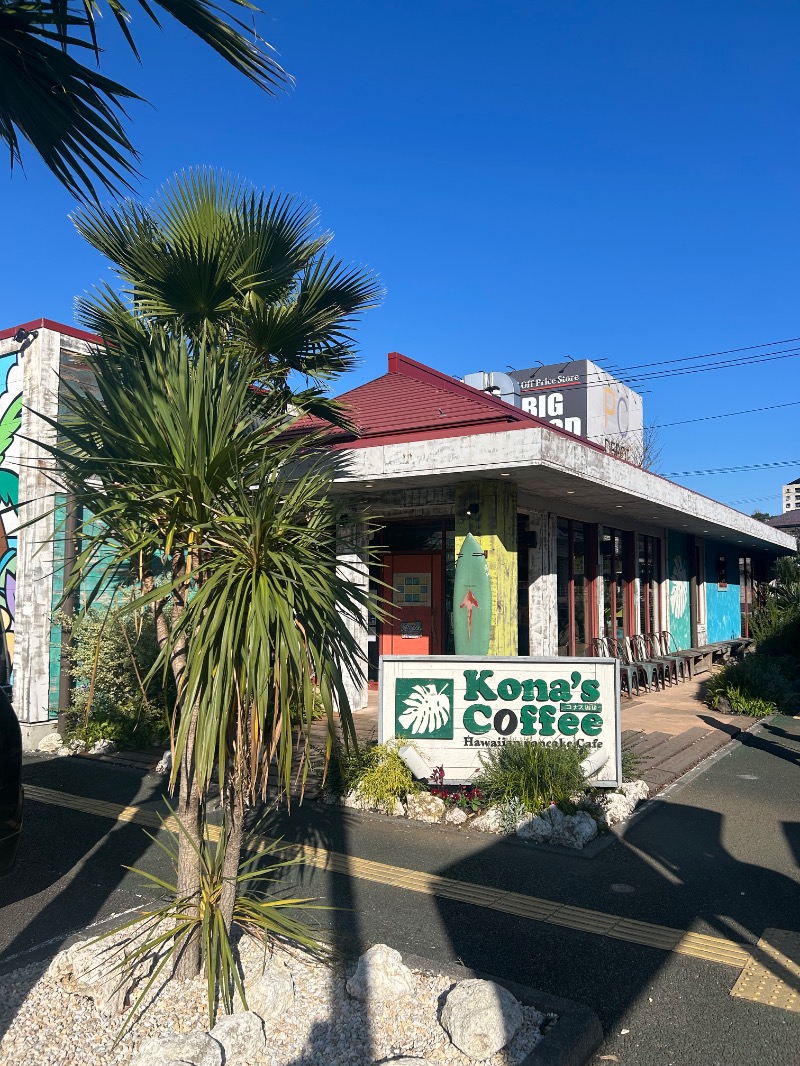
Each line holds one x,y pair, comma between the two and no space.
387,674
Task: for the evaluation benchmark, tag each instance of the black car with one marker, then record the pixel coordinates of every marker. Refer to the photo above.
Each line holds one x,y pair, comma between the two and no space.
10,782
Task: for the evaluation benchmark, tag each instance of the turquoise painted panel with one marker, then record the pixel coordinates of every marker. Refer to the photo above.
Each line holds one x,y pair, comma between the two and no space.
678,581
723,610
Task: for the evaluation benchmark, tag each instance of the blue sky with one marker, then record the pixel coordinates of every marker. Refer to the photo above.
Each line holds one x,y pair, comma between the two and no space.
532,181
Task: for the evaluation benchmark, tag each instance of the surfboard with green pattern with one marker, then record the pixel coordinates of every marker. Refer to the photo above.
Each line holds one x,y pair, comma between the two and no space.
472,600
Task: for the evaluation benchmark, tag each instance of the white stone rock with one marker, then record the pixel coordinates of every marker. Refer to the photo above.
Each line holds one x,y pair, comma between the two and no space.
241,1036
103,747
490,821
455,816
51,742
571,830
272,994
397,809
480,1017
615,807
424,807
75,746
165,763
198,1048
89,969
355,801
535,828
381,974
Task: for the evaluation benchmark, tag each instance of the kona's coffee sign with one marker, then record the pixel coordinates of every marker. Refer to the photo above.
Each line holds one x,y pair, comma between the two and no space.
454,708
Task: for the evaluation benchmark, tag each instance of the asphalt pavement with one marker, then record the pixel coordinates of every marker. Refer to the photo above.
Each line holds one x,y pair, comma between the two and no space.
716,854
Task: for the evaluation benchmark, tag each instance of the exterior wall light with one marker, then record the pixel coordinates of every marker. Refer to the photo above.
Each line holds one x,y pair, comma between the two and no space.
473,509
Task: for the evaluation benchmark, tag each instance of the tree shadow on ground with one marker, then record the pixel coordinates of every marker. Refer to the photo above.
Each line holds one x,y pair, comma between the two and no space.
69,866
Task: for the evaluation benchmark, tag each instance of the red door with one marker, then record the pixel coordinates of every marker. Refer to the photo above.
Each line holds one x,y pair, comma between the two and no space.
414,626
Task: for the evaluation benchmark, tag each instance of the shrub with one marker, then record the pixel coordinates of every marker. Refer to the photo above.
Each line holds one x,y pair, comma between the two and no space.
534,774
776,629
376,772
758,685
109,660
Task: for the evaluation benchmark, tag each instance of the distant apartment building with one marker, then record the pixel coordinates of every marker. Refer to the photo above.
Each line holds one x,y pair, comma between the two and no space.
791,496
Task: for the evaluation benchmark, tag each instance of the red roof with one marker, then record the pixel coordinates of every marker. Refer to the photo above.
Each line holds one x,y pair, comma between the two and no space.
414,402
57,327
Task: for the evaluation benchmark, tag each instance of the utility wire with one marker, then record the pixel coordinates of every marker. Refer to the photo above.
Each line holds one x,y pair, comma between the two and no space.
733,469
705,418
659,375
709,355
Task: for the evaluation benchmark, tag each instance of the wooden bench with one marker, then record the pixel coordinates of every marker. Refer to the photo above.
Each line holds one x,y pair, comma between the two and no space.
701,659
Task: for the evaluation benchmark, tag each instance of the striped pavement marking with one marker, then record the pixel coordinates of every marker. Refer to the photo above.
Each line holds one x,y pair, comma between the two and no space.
646,934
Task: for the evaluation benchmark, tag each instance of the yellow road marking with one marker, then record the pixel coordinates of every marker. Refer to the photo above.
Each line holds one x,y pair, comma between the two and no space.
772,975
698,945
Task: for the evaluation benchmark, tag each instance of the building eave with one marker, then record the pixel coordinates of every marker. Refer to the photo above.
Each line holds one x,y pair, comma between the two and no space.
555,473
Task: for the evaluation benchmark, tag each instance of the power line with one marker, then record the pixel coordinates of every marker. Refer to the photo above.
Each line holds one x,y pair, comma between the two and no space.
709,355
707,418
634,381
733,469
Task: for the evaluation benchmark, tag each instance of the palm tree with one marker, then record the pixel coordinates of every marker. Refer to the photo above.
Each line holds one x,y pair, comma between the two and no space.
216,260
73,115
174,462
228,298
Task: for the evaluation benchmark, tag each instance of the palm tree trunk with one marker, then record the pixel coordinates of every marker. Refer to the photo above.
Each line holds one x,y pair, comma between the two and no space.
234,821
190,813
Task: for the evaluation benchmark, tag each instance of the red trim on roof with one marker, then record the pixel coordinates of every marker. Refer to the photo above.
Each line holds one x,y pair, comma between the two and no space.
57,327
401,364
415,402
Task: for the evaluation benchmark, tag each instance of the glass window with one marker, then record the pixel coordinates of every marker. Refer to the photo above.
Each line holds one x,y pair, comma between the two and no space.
613,584
563,585
580,589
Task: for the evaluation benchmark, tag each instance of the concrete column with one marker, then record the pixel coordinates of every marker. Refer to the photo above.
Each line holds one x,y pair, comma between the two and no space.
542,590
495,529
35,548
351,555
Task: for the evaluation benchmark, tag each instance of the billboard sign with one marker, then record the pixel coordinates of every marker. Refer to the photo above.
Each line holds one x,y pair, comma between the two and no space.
584,399
455,708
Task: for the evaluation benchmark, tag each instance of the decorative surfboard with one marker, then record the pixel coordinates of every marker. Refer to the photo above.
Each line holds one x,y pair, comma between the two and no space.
472,600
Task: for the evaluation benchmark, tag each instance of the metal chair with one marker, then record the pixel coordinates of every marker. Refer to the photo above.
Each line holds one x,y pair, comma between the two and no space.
649,670
663,651
670,646
628,675
647,649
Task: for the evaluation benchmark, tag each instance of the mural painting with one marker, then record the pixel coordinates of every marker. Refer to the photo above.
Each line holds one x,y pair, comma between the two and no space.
678,567
10,419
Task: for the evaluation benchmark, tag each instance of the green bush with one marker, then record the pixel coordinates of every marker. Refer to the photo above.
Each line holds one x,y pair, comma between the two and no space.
109,658
776,629
534,774
376,772
758,685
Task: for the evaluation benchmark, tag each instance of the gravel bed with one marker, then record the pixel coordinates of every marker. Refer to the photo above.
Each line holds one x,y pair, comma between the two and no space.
43,1025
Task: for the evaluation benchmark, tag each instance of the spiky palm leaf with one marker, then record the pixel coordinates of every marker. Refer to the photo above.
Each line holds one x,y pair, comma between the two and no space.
214,259
72,114
170,451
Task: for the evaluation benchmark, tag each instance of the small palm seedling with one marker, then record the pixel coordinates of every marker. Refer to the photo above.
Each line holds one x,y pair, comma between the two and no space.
159,935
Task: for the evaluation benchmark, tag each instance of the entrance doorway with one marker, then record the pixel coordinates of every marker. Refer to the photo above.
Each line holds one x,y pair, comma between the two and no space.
415,625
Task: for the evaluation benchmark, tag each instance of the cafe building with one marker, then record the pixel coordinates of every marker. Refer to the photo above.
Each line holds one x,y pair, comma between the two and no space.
580,542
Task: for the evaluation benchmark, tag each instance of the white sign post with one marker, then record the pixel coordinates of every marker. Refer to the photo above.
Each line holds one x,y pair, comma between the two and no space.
453,708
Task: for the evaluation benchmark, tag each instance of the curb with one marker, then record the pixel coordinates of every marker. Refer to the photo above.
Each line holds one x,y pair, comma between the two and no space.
570,1042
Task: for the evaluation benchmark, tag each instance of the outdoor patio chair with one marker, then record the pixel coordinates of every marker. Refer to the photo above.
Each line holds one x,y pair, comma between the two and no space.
662,648
648,669
628,675
670,646
648,649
